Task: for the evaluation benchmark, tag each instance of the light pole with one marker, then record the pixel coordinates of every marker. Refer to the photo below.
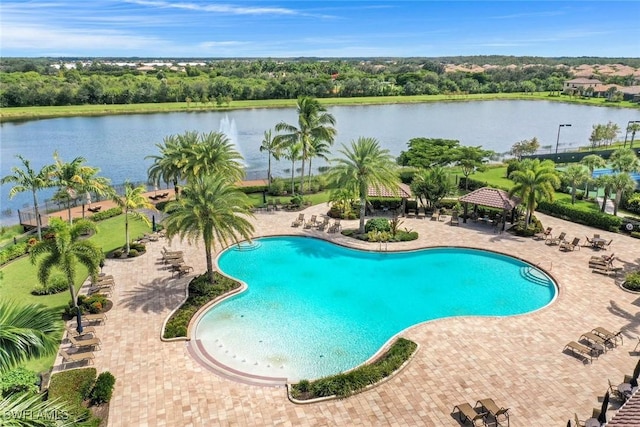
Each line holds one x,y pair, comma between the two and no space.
633,133
558,138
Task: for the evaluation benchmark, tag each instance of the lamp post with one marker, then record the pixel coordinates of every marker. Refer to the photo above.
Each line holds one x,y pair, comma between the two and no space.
558,138
633,133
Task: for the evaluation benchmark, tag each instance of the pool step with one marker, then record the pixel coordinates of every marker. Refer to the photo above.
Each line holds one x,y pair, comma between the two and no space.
247,246
531,274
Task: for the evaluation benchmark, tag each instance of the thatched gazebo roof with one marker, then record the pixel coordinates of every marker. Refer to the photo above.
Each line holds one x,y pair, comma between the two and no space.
491,197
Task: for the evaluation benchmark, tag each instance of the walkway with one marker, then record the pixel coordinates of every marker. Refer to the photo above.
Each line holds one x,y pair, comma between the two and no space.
518,361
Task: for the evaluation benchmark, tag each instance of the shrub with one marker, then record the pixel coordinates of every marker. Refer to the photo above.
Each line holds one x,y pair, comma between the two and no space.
277,187
56,284
103,389
632,281
73,387
580,215
12,252
117,253
635,234
140,247
93,304
109,213
133,253
18,380
535,226
633,203
579,195
406,236
377,224
342,385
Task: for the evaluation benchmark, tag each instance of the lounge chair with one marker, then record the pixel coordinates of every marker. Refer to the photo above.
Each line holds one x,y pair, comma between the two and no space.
71,331
76,357
106,290
454,218
566,246
488,405
608,335
95,209
99,317
580,350
299,221
81,343
555,240
601,260
335,227
411,213
605,269
596,342
544,235
467,413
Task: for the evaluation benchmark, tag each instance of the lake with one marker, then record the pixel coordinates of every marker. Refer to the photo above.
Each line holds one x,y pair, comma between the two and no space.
118,145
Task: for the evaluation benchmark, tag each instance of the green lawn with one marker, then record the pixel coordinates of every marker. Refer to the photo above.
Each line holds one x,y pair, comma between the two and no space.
495,176
18,278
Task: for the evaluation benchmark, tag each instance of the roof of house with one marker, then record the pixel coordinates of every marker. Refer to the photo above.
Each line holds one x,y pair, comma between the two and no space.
628,415
403,191
583,80
492,197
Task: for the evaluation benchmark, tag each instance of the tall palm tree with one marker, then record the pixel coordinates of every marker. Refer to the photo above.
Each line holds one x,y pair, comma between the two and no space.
314,123
273,150
75,178
575,174
132,199
209,153
27,179
592,161
606,183
364,165
26,332
292,153
212,209
633,128
319,149
534,181
621,183
66,250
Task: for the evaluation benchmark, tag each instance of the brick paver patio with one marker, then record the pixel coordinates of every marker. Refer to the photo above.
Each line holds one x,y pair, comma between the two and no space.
518,361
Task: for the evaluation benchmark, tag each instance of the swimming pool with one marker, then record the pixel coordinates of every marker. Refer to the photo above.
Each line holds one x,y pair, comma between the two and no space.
314,309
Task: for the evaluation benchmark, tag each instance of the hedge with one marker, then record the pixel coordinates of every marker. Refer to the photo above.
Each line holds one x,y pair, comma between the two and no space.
345,384
12,252
73,387
200,293
109,213
575,214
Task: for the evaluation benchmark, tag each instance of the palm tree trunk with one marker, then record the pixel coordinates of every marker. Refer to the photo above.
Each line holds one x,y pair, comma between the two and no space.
363,207
72,291
604,201
293,183
309,176
573,194
302,176
38,219
126,230
209,262
269,172
617,202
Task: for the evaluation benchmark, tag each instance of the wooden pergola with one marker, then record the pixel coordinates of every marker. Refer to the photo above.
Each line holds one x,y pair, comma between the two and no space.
493,198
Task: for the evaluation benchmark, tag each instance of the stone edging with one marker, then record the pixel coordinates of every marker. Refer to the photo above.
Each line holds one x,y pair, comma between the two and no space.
628,290
367,388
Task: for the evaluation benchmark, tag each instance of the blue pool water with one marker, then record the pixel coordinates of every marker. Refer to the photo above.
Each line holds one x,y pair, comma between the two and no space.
315,309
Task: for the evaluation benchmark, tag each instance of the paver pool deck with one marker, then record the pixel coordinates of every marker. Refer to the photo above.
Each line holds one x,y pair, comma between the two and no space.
518,361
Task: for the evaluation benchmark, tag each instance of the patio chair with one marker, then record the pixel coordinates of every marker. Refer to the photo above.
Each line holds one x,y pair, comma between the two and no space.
324,224
81,343
498,413
637,345
555,240
454,218
467,413
608,335
411,213
615,393
579,350
299,221
435,215
566,246
544,235
76,357
312,222
336,227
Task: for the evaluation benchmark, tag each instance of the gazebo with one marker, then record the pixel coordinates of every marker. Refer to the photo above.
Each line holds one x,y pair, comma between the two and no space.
402,191
490,197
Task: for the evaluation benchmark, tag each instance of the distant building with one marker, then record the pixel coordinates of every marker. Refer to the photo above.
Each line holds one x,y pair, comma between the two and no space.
581,83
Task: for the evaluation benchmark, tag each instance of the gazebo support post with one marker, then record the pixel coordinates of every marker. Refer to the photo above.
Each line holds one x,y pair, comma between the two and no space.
466,209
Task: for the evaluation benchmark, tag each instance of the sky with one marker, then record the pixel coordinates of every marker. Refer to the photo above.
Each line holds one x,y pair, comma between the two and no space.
281,28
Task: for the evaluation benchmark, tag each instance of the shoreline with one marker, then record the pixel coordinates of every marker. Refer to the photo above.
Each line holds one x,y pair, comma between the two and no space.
23,114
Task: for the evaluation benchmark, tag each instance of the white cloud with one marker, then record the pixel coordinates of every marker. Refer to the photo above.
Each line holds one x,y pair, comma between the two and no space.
216,8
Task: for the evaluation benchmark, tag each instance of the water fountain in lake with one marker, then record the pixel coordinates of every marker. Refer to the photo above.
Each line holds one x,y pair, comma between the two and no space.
228,127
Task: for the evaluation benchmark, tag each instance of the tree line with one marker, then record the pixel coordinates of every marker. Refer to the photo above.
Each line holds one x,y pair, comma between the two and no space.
25,82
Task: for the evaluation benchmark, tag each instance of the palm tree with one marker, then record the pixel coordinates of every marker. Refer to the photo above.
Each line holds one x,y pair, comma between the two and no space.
209,153
27,179
621,183
320,149
65,250
633,128
75,177
26,332
575,175
292,153
132,199
167,166
212,209
314,123
534,181
592,161
273,150
624,160
364,165
606,183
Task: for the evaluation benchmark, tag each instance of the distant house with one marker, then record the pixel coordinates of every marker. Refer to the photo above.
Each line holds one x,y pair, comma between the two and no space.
581,83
